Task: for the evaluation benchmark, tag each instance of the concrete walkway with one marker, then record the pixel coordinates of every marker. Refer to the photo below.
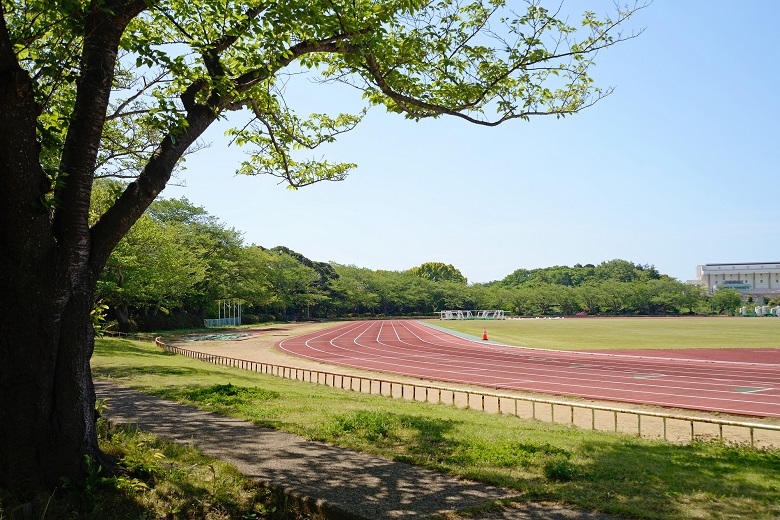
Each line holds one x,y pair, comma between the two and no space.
338,482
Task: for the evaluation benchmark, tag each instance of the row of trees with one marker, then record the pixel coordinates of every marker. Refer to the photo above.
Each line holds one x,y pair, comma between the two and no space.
363,292
178,260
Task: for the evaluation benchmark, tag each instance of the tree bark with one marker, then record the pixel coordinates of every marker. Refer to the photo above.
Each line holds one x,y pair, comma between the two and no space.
47,274
46,394
122,313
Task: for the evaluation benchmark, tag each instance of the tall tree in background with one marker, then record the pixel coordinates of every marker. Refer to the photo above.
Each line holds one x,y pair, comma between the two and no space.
92,88
438,272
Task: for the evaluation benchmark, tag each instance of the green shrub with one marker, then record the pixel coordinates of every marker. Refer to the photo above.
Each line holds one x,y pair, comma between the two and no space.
369,425
560,469
229,395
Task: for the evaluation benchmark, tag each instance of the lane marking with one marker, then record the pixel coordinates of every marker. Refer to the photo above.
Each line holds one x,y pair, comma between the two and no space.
381,354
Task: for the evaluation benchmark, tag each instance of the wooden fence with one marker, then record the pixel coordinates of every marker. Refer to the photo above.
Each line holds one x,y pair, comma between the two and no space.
584,415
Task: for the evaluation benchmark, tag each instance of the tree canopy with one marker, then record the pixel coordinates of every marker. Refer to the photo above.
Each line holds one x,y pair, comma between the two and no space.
617,270
438,272
126,88
282,284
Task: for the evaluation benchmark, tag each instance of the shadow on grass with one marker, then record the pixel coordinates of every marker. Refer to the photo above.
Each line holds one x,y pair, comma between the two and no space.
627,478
434,443
224,395
109,503
120,347
365,485
123,372
702,480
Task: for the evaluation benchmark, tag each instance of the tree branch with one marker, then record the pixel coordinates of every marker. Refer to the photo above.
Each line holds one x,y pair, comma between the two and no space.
21,176
103,28
333,45
118,111
119,218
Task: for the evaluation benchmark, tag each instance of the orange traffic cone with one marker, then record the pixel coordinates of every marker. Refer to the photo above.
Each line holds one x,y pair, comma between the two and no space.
484,334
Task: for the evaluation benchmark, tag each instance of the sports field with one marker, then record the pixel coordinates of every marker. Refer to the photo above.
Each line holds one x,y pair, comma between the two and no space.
678,373
626,333
626,476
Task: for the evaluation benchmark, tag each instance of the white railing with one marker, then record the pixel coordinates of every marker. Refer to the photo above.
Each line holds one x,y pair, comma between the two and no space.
485,314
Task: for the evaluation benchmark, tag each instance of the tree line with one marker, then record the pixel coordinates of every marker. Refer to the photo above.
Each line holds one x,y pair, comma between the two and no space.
177,261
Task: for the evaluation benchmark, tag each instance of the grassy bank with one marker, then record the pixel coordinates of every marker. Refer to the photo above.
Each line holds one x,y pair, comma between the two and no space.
626,333
157,479
614,473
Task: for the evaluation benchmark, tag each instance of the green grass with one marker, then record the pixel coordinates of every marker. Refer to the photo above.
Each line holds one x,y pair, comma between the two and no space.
159,479
626,333
609,472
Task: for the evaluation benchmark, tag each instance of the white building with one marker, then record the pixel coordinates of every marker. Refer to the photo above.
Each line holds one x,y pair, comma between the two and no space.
750,278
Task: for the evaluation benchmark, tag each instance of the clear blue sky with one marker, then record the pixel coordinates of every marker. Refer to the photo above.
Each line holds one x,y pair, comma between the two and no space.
678,167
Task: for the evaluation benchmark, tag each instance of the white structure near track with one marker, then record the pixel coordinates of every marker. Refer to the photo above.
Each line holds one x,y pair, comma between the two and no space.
228,312
760,310
749,278
494,314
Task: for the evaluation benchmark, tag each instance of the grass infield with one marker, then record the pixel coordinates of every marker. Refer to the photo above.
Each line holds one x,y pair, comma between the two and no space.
625,333
610,472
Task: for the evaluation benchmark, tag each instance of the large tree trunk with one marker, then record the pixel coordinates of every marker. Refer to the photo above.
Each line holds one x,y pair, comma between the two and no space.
48,271
122,313
50,258
46,395
46,392
46,340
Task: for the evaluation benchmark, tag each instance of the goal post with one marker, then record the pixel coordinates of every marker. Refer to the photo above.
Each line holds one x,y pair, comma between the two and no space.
228,314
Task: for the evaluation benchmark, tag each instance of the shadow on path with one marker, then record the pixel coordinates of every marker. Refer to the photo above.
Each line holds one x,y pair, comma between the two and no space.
339,482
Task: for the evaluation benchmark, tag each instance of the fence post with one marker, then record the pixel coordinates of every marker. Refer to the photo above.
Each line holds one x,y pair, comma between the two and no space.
287,372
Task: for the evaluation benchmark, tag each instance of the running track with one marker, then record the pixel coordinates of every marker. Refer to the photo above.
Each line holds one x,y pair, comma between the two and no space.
412,349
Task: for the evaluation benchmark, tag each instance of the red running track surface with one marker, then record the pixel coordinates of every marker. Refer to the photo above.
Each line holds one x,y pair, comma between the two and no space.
413,349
